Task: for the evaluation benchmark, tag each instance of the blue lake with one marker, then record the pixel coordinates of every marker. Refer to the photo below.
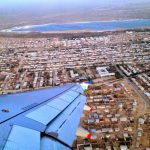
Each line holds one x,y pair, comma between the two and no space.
98,26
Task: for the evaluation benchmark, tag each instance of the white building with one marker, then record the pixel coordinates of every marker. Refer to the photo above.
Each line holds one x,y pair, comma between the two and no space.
103,72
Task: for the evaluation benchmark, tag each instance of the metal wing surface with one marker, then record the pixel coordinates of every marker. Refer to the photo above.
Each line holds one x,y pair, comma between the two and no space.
44,119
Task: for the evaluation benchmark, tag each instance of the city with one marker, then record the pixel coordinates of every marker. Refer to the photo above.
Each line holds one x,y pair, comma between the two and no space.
116,67
27,63
75,75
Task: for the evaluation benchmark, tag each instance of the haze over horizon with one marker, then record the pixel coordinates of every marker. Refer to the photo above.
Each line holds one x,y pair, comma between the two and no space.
28,4
22,12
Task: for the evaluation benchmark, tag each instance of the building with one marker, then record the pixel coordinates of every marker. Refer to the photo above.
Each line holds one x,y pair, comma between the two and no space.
103,72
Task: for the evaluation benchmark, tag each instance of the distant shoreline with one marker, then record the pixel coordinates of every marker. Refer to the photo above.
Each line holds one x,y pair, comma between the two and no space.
73,22
30,27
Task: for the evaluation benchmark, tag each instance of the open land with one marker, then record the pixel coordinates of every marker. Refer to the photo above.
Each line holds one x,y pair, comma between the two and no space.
65,14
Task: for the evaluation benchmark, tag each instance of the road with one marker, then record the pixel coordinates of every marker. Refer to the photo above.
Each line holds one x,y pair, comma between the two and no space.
137,90
145,100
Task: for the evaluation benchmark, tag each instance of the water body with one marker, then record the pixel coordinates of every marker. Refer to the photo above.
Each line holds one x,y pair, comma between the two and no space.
97,26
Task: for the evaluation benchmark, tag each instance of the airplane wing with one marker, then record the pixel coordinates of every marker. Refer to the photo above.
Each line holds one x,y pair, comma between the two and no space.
44,119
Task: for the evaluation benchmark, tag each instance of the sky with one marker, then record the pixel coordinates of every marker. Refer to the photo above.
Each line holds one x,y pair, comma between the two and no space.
17,3
52,4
